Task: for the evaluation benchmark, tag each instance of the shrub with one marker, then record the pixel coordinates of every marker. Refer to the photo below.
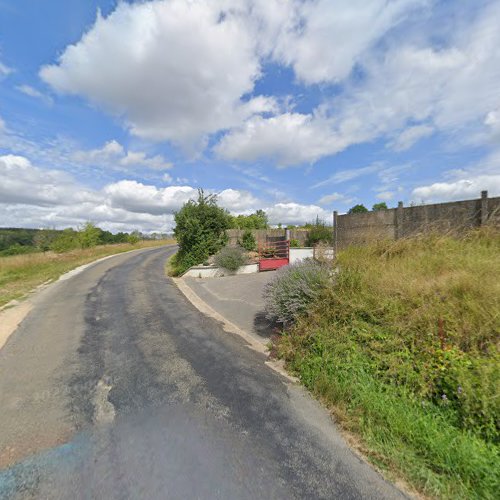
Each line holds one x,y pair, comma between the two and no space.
248,241
319,232
294,243
358,209
200,230
66,241
230,258
294,289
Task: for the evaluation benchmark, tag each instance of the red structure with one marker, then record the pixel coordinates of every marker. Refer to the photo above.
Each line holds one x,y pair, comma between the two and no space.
273,255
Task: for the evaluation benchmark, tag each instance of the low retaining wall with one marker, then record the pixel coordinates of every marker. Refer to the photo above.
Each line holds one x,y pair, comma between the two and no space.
217,272
298,254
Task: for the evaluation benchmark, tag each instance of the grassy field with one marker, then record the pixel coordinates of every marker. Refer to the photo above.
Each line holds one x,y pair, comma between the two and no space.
21,273
403,348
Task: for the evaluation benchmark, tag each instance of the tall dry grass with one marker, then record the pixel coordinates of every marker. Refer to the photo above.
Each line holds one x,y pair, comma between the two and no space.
404,347
21,273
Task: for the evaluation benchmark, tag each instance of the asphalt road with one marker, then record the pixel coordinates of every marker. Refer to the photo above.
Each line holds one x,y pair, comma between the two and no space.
115,386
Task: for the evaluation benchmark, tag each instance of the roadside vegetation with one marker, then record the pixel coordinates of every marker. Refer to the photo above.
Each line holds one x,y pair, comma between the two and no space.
400,340
22,271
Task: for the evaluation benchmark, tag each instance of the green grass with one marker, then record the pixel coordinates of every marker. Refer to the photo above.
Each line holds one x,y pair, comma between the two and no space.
423,399
21,273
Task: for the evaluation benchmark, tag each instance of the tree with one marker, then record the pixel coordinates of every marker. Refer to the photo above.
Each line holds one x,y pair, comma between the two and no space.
358,209
380,206
248,241
257,220
200,230
319,232
89,235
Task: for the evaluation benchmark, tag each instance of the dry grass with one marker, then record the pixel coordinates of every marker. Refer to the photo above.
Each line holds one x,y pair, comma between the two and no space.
21,273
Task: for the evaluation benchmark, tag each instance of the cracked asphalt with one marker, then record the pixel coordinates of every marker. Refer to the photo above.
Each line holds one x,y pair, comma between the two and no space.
115,386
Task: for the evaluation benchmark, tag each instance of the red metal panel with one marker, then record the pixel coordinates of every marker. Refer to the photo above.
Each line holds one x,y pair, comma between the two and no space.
272,264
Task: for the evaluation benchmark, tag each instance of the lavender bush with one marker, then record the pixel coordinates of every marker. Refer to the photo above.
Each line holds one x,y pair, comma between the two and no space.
294,288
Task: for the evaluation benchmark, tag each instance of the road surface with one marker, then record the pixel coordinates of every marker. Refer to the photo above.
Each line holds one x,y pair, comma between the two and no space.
115,386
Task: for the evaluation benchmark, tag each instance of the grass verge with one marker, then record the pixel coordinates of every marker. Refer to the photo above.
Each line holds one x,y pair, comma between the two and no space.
403,347
21,273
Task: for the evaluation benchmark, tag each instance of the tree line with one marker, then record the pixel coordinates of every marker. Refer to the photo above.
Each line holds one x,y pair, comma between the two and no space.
16,241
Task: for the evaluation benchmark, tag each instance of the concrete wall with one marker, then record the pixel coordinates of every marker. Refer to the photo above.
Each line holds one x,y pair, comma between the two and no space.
401,222
217,272
298,254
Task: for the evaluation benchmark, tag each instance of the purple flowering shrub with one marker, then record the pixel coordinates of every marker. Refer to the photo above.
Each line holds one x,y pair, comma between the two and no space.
294,289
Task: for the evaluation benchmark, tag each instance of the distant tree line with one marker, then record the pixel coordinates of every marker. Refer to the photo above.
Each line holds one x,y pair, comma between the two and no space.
15,241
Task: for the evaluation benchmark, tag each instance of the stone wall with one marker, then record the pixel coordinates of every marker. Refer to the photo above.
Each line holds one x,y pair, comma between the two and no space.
401,222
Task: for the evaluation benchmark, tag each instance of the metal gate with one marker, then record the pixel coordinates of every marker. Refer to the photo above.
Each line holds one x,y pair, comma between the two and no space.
275,253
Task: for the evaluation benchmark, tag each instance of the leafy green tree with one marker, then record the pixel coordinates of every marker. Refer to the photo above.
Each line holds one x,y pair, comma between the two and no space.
89,235
67,240
358,209
380,206
200,230
257,220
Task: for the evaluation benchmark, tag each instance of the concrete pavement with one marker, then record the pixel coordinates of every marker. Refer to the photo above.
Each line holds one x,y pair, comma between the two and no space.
239,299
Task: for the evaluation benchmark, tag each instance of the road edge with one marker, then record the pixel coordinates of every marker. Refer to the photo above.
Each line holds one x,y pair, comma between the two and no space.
14,312
228,326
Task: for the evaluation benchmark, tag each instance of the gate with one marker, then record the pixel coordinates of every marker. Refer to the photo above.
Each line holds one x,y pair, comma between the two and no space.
275,253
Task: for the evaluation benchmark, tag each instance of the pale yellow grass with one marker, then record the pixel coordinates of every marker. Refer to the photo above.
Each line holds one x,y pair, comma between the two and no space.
21,273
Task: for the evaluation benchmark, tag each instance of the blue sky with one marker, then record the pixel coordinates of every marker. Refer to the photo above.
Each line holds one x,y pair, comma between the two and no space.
116,112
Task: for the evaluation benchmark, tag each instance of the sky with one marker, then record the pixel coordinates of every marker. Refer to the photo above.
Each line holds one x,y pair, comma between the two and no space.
116,112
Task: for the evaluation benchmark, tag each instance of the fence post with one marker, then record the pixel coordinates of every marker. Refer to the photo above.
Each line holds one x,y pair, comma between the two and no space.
399,221
335,231
484,207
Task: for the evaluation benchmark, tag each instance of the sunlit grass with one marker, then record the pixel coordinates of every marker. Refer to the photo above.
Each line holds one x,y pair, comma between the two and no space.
403,347
21,273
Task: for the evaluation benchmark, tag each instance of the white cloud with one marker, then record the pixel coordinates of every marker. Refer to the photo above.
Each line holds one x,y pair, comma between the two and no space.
4,70
113,154
289,138
295,213
328,38
406,139
175,70
349,175
330,198
21,182
32,92
461,189
386,195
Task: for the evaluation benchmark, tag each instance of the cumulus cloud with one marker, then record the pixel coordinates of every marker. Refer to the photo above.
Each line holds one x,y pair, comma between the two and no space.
295,213
34,197
327,39
175,70
113,154
409,90
289,138
469,187
21,182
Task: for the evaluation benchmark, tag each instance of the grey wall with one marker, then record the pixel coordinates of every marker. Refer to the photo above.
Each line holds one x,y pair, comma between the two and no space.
453,217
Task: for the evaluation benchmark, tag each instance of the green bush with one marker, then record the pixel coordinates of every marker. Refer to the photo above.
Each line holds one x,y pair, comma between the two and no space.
200,231
294,289
319,232
66,241
294,243
248,241
231,258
